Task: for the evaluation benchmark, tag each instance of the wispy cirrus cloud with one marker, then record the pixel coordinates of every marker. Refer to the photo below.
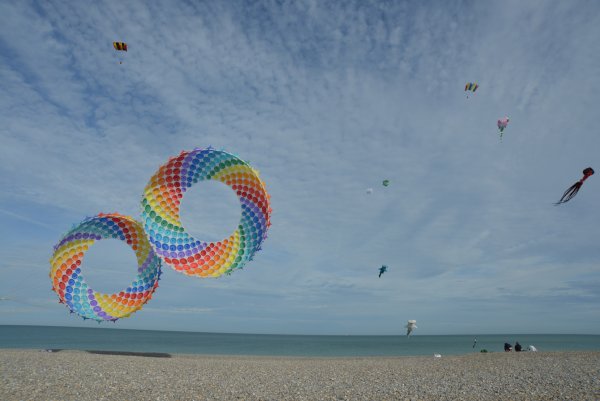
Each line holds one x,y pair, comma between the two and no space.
326,99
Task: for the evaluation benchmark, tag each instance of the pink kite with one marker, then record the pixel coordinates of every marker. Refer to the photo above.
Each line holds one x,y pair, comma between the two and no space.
502,123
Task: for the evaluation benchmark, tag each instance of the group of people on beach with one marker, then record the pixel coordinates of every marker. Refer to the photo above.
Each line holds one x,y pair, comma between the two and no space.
518,347
508,347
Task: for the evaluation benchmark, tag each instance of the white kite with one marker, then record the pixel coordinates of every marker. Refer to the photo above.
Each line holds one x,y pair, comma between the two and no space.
411,325
369,191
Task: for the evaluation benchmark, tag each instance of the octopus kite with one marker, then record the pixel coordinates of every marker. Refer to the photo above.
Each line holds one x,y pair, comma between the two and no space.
573,189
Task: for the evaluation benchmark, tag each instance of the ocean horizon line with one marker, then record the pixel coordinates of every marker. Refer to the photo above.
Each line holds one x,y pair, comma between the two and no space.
182,342
304,334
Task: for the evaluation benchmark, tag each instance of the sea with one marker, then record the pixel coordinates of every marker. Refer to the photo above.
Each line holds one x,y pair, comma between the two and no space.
178,342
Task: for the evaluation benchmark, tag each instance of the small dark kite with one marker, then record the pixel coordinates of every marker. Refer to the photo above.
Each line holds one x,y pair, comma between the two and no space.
573,189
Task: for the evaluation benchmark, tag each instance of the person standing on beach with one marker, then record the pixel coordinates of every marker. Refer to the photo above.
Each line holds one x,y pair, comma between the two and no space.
474,343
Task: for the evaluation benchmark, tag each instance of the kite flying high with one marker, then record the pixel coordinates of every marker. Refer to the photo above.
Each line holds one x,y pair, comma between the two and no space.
472,87
502,123
120,46
573,189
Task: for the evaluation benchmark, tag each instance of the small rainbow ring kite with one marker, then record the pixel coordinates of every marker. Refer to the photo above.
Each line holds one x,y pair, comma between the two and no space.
67,277
162,224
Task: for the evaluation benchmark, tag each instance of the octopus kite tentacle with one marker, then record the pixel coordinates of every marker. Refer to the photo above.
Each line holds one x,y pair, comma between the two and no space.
573,189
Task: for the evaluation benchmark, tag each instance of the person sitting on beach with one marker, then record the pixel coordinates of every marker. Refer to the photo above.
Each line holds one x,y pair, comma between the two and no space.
507,347
518,347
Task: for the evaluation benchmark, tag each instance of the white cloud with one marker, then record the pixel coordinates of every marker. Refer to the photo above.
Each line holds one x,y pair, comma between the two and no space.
326,100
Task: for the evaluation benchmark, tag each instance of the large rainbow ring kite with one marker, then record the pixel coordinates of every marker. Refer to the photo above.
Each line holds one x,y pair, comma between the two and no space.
71,287
162,224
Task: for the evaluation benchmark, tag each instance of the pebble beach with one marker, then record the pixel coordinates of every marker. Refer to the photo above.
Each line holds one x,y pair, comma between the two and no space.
82,375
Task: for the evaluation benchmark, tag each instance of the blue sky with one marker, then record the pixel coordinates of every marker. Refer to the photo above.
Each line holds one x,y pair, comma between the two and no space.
326,99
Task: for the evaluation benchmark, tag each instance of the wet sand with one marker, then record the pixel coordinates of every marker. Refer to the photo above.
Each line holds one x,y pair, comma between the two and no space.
81,375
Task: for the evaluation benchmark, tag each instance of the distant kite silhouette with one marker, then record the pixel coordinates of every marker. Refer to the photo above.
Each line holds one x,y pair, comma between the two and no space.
573,189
